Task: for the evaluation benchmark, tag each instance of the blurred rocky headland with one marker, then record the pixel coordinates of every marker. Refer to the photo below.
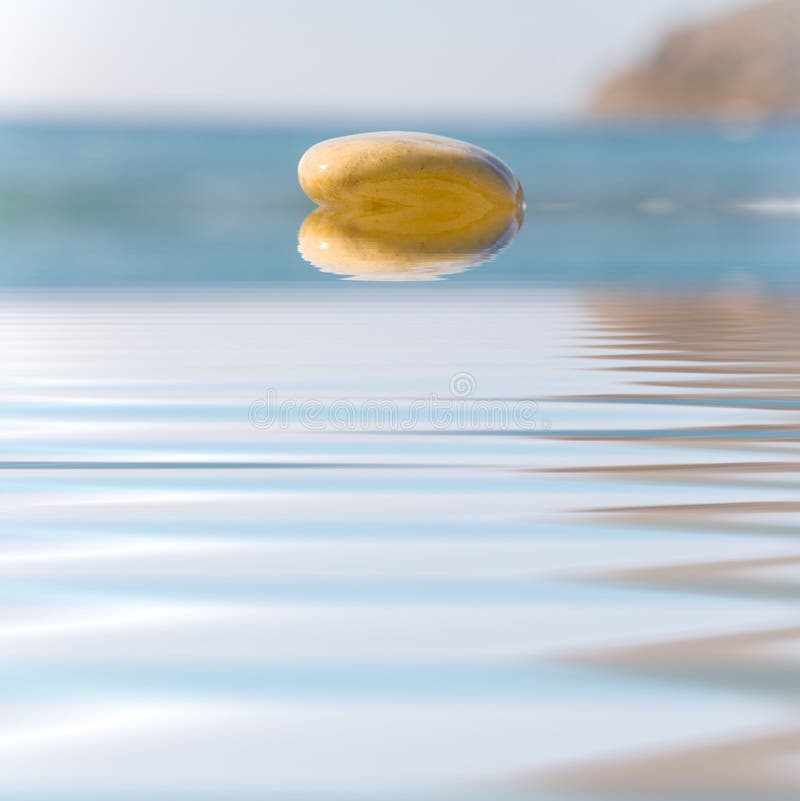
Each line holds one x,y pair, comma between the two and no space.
746,63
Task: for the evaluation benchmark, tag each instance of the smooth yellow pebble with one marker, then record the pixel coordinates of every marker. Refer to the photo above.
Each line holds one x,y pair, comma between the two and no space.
408,169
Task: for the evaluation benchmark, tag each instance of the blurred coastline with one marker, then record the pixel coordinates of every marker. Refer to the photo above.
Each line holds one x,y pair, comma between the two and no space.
741,65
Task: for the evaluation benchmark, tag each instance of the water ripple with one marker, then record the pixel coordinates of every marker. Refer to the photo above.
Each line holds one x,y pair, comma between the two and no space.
602,602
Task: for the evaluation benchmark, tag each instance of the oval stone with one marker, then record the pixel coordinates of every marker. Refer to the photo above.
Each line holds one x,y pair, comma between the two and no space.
405,169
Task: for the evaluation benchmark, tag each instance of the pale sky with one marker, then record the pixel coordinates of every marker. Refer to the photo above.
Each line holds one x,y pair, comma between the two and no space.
317,59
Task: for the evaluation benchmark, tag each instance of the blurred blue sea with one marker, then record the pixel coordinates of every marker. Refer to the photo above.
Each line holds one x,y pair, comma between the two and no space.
115,206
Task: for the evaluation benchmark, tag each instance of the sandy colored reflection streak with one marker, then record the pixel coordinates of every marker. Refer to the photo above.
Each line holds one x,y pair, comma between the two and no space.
749,342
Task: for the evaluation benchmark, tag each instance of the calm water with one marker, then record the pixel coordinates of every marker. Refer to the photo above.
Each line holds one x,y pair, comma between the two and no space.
529,532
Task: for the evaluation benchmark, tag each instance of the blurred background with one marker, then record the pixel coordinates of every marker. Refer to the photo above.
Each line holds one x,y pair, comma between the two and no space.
508,62
143,142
